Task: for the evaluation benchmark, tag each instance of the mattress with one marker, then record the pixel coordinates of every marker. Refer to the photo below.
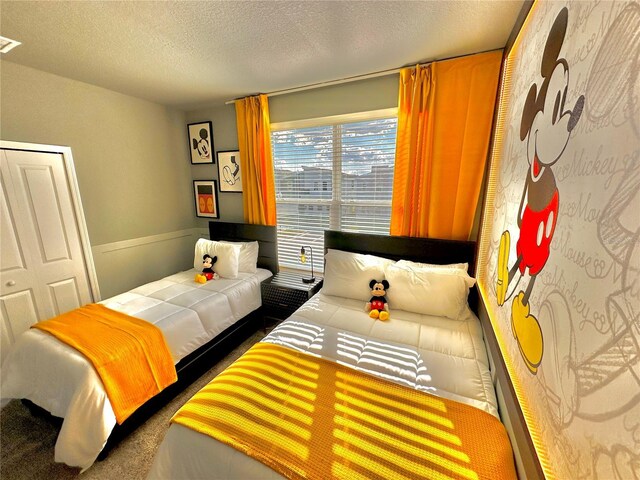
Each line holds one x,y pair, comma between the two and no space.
62,381
442,356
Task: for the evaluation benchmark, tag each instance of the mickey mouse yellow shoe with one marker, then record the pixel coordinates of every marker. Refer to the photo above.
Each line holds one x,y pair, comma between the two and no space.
384,315
527,331
374,313
503,269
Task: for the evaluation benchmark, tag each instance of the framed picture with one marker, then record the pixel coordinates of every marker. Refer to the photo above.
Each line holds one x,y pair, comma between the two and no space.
206,198
229,172
201,142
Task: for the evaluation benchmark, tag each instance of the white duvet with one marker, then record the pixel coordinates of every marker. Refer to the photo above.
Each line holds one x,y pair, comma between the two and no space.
435,354
62,381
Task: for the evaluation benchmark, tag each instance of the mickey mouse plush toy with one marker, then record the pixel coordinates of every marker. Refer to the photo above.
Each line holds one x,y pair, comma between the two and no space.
377,306
207,269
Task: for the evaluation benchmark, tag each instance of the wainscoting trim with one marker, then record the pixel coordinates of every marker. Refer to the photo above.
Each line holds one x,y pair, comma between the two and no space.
136,242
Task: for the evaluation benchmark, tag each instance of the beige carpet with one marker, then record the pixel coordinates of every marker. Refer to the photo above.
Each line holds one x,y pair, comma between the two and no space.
27,442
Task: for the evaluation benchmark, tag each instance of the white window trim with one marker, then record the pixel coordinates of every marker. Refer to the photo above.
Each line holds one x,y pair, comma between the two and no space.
336,202
335,119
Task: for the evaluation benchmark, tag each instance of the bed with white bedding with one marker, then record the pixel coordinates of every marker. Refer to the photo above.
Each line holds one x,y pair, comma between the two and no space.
193,317
442,354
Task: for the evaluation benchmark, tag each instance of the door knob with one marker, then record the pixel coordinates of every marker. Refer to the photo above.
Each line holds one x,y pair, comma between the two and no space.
11,283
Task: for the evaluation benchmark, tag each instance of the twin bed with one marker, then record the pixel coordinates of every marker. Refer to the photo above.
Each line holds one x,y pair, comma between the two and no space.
200,323
333,393
330,392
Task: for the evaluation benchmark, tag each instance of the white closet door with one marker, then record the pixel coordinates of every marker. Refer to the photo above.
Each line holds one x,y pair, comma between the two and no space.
42,270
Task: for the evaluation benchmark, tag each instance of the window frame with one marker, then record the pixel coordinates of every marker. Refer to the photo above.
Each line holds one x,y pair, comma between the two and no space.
336,202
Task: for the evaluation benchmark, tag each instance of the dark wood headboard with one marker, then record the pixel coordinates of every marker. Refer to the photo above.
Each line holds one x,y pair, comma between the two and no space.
424,250
265,235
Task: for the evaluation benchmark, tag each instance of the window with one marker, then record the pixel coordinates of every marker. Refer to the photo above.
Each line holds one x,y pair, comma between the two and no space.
337,174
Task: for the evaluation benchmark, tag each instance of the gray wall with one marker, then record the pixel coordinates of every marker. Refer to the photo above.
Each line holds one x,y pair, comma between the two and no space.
361,96
225,137
131,162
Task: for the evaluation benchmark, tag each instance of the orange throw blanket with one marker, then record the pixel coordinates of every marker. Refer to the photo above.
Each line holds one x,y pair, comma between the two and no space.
130,355
306,417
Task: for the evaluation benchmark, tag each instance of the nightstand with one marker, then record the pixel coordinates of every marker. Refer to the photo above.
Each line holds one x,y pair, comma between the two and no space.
285,292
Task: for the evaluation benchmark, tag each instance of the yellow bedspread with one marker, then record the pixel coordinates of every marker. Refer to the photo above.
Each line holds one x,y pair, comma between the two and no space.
130,355
306,417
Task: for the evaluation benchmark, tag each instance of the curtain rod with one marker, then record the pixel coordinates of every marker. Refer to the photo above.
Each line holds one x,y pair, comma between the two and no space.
312,86
355,78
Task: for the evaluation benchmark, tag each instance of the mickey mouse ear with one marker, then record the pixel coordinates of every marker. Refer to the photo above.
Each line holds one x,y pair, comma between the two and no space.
554,43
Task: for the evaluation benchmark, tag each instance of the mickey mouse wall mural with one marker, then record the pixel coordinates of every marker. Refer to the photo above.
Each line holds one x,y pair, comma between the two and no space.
546,125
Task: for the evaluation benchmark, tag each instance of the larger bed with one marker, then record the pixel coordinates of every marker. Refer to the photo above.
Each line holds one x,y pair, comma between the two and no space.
198,321
443,355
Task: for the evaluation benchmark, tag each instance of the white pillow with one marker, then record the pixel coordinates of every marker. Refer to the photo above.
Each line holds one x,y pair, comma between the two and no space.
348,274
228,254
248,260
435,291
417,265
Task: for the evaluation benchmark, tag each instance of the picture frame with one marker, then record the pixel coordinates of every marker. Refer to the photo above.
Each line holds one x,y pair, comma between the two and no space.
205,194
200,137
229,171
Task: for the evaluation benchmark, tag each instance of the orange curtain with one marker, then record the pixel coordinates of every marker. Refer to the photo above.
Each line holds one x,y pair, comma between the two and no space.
254,143
445,112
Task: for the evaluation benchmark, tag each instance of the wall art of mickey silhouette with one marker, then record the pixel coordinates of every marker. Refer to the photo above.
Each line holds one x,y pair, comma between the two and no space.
201,142
230,171
546,125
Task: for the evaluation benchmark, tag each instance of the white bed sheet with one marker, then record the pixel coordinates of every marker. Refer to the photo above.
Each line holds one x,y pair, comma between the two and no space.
62,381
435,354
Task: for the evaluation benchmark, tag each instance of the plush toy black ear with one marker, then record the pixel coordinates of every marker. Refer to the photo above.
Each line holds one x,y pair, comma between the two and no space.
372,283
214,260
204,257
385,284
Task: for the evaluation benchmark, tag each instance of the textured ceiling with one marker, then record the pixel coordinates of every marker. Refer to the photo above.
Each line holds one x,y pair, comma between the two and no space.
187,53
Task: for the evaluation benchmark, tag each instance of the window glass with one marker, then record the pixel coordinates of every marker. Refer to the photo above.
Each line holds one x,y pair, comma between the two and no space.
337,177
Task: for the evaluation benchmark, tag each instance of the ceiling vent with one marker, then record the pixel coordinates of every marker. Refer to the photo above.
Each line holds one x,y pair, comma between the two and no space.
7,44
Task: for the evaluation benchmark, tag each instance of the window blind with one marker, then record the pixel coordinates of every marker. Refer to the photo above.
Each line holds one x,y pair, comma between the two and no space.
337,177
